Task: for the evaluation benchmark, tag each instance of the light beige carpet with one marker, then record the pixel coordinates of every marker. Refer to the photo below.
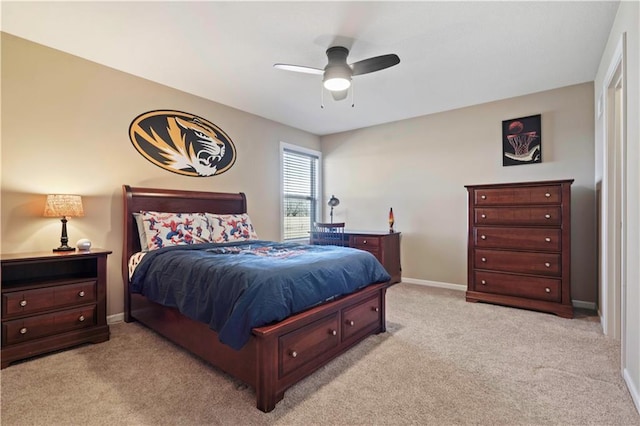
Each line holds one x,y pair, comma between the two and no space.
443,361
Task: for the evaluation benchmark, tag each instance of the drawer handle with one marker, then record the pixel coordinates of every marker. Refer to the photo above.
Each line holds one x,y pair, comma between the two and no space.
364,242
81,294
333,332
483,282
81,318
375,309
294,354
548,239
483,237
23,330
484,259
547,195
547,216
547,264
547,289
351,323
23,303
484,216
484,197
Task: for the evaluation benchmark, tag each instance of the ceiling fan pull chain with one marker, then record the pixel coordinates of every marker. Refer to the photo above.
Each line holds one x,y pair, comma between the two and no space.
353,94
321,97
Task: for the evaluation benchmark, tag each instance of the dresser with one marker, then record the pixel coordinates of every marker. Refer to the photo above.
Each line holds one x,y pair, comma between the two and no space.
52,301
519,245
385,246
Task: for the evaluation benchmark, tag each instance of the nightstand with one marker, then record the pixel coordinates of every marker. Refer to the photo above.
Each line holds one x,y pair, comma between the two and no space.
52,301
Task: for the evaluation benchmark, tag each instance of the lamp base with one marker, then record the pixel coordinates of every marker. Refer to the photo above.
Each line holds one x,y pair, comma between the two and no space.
64,248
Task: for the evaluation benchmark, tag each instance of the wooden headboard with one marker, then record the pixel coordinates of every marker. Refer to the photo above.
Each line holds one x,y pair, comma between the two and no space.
169,200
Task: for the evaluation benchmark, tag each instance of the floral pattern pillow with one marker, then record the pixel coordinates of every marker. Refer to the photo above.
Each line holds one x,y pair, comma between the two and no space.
171,229
231,227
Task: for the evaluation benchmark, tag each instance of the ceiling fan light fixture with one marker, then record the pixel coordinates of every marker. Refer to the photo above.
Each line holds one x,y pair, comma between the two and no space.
336,78
337,84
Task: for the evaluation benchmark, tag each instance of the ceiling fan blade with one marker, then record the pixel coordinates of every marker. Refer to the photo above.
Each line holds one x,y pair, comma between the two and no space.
375,64
299,68
339,95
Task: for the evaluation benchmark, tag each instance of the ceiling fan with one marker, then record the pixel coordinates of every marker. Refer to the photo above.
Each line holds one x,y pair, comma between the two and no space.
337,74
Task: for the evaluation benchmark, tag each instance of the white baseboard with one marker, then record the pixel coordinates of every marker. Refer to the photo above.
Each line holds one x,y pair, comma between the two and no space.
115,318
633,389
459,287
463,287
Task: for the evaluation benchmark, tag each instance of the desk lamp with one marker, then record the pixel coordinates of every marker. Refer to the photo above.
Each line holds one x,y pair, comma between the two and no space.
333,201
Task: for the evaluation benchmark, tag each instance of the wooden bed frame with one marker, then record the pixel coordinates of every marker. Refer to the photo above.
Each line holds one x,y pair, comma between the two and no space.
277,355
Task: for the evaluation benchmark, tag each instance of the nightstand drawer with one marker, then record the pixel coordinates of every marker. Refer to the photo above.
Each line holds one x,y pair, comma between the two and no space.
22,330
26,302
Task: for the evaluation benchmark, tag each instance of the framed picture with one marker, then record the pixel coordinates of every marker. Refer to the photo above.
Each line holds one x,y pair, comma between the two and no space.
521,141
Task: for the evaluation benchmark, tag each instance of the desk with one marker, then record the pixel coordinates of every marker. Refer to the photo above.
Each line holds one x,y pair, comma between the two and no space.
384,246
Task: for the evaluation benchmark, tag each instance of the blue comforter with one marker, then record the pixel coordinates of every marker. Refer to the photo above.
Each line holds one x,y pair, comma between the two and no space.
235,287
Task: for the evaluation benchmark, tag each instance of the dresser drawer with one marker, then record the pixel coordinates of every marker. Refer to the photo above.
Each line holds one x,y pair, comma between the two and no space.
363,242
542,239
514,261
25,329
361,318
536,216
301,346
518,285
370,244
17,303
518,196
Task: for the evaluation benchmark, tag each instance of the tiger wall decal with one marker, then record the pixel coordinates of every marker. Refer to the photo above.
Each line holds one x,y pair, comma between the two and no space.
182,143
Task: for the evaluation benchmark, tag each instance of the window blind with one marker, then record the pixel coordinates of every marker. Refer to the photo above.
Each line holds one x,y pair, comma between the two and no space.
300,193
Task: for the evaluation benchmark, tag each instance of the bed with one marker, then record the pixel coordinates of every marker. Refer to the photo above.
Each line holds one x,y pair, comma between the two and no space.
275,356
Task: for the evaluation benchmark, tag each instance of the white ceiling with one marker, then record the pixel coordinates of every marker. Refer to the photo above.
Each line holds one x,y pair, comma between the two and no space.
453,54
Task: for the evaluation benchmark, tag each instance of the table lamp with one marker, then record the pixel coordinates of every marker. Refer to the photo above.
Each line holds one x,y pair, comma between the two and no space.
62,205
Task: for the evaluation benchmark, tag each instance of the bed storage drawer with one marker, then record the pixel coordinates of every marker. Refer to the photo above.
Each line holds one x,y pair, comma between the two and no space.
305,344
361,318
22,330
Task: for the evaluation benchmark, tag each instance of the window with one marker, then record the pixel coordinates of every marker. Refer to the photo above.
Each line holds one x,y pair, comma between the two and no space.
300,189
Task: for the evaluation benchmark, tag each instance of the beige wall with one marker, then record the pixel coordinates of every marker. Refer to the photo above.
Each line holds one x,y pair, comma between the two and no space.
420,166
65,127
627,22
65,123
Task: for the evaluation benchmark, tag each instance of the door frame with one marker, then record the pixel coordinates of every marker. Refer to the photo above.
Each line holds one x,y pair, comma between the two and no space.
613,203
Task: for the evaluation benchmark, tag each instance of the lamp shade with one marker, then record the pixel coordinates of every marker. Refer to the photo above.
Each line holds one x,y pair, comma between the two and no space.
63,205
